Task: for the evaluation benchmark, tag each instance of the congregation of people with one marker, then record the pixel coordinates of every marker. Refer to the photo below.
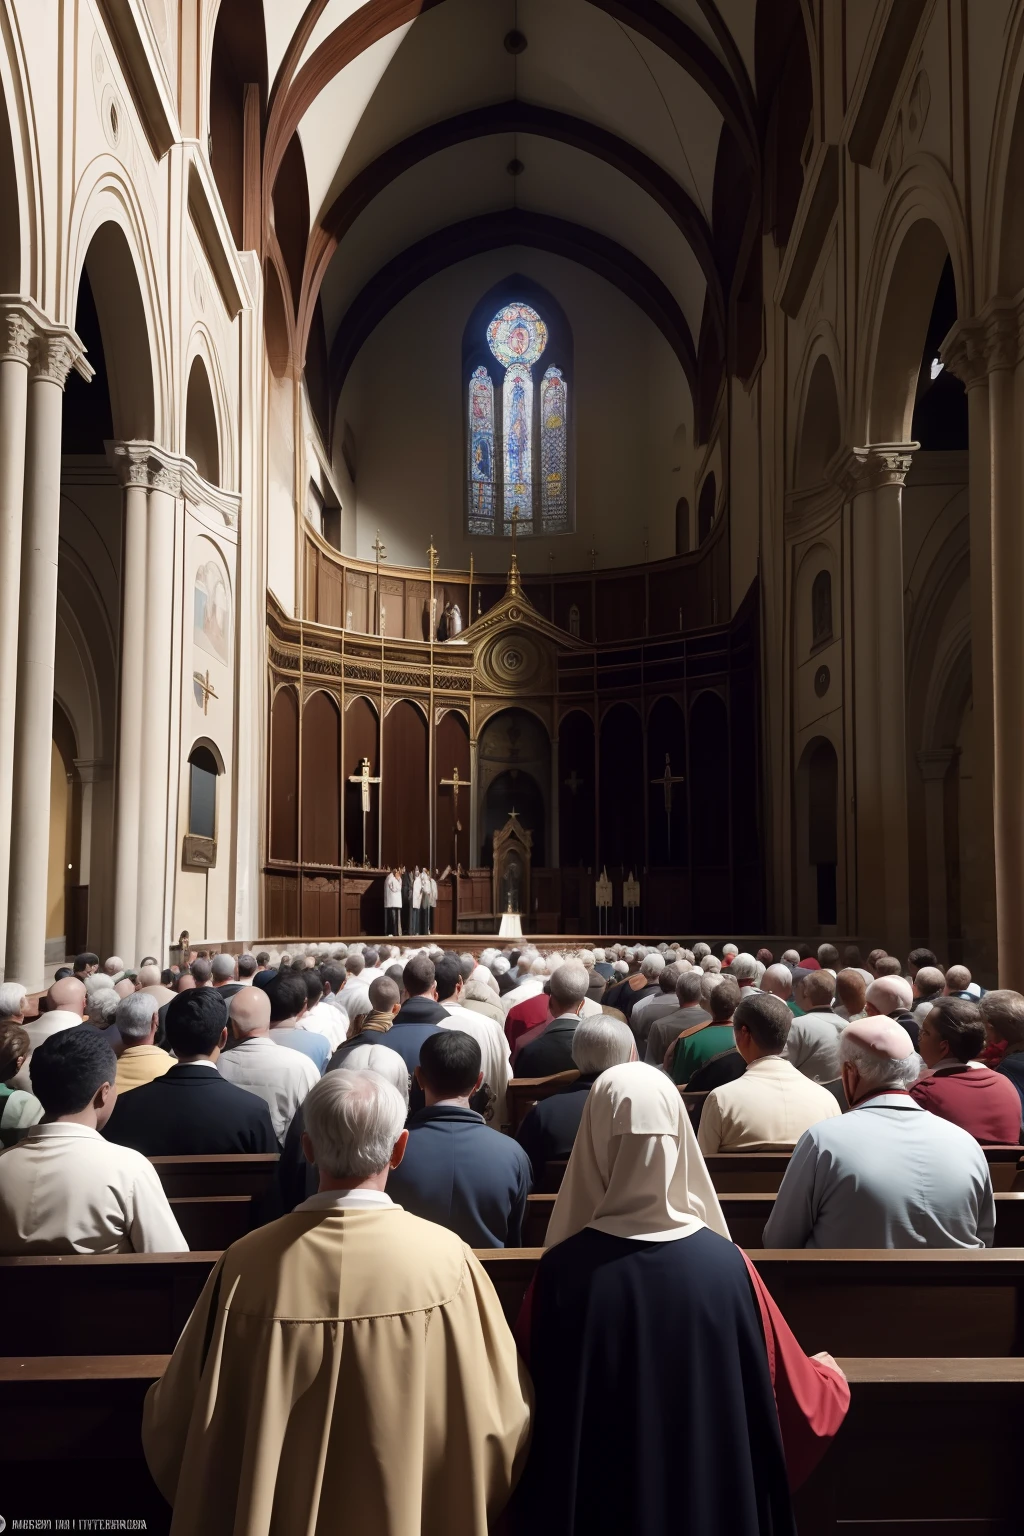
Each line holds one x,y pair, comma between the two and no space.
382,1075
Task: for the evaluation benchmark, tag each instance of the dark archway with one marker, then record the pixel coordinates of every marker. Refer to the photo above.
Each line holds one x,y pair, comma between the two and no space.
284,776
576,791
514,744
406,816
202,443
706,508
682,526
239,60
817,787
515,790
361,740
667,798
621,821
709,782
321,780
451,753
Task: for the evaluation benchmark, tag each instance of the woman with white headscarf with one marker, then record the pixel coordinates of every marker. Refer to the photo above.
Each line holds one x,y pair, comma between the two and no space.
648,1333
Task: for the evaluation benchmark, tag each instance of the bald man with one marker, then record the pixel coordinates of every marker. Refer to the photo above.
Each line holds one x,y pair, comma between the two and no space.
892,997
778,980
67,1008
281,1077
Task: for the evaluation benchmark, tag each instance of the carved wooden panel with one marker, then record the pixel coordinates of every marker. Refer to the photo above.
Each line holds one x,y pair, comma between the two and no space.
284,775
321,780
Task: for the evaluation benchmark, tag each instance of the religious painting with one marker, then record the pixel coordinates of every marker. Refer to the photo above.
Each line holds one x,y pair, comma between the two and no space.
211,628
554,489
481,452
518,418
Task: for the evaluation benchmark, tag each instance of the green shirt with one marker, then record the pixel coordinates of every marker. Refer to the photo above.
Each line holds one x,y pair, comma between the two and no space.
693,1051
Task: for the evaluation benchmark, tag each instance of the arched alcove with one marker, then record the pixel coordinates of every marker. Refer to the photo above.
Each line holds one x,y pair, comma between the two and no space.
321,780
682,526
709,782
239,58
621,815
201,436
706,508
514,747
902,329
817,843
576,791
362,740
284,776
820,433
785,94
406,798
666,790
10,224
127,348
451,755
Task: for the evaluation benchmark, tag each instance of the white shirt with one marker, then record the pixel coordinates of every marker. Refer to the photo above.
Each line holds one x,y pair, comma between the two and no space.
433,891
64,1189
279,1075
769,1107
417,892
528,987
39,1030
347,1200
495,1054
813,1045
327,1021
392,891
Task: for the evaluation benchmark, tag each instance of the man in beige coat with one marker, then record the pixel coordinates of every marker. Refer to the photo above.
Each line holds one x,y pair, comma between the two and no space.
347,1367
772,1104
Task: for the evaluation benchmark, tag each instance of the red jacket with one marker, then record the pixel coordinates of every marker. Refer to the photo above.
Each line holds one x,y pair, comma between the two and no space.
524,1016
975,1098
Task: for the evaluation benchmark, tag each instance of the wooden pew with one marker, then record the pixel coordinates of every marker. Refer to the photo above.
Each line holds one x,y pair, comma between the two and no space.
251,1174
211,1223
746,1215
525,1092
762,1172
70,1440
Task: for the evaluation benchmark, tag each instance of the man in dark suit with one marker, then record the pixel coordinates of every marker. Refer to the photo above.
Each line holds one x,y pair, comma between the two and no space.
549,1130
418,1017
457,1171
243,973
193,1110
548,1049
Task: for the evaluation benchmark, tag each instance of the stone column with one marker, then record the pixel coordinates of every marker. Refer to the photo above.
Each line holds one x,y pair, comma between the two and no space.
985,353
872,478
132,462
934,766
53,354
17,328
554,862
154,809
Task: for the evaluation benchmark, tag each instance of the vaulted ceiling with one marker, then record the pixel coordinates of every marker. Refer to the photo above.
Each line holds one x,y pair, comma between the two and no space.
623,133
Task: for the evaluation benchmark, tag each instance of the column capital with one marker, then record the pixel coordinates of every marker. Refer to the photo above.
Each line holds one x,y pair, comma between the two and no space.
28,335
141,463
934,763
986,342
872,467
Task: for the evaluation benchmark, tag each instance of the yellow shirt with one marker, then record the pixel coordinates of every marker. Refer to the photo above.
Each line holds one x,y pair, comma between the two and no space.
139,1064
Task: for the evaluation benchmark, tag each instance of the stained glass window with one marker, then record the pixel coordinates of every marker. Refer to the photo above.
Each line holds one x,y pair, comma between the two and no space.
481,452
517,438
554,402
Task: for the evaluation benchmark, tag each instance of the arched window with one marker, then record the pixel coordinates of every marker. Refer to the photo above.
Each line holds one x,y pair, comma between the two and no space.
202,793
517,357
821,608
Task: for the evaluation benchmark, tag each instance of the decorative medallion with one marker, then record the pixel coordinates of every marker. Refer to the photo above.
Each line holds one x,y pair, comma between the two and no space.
822,678
517,334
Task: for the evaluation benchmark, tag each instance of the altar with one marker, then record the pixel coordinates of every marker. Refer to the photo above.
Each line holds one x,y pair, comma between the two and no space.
513,852
511,926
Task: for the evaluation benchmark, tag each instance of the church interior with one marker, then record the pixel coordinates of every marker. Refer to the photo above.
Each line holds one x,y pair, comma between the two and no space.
518,481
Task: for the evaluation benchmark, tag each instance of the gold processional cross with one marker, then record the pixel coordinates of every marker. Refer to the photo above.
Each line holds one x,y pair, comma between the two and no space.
364,779
667,780
455,784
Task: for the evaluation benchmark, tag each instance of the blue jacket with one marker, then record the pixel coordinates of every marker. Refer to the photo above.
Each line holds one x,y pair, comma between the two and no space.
316,1047
458,1172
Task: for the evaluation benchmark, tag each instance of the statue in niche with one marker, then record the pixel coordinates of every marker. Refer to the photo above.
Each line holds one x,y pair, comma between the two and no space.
451,622
512,883
821,608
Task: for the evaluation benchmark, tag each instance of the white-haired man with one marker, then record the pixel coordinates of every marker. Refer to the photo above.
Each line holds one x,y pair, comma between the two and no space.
67,1008
813,1044
655,1004
744,972
892,997
281,1077
533,972
347,1299
646,983
549,1130
888,1174
142,1060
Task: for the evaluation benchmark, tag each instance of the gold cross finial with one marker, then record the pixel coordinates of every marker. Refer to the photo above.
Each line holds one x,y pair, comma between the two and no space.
432,554
513,572
379,549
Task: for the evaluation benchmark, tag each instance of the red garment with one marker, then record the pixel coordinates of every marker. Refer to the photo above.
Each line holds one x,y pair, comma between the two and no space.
993,1054
528,1036
812,1399
809,965
524,1016
981,1101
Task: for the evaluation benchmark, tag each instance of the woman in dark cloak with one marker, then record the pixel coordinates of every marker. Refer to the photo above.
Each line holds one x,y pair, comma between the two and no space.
671,1397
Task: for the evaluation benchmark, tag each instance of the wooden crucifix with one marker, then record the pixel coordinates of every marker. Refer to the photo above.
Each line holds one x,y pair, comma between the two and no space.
205,687
667,780
364,779
455,783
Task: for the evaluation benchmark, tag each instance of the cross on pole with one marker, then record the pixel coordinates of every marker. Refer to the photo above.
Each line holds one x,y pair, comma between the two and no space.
573,783
455,783
667,780
364,779
205,687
